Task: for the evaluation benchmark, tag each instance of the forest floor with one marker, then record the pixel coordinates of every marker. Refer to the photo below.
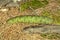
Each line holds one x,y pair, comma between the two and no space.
14,31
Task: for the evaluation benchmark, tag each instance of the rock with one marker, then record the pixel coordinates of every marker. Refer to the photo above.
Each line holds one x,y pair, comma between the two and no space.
8,3
4,2
42,29
12,4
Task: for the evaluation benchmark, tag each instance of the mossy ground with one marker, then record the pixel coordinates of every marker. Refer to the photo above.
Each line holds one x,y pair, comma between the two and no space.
33,4
35,19
53,16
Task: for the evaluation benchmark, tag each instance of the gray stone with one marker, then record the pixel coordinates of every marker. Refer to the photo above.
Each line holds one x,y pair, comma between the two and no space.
8,3
42,29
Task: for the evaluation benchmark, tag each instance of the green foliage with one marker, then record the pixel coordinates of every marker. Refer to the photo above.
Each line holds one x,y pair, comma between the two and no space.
30,19
33,4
